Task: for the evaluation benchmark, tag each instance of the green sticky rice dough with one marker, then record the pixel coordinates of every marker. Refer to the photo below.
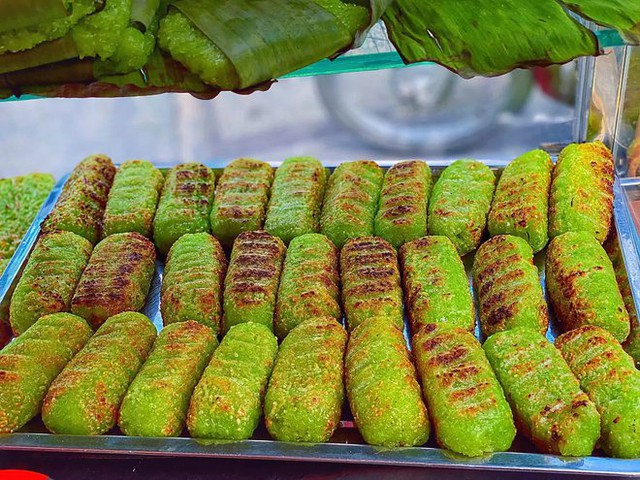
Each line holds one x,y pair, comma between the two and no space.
33,189
49,279
120,46
131,53
20,201
157,400
226,403
468,407
26,38
84,399
98,35
608,375
29,364
544,394
133,199
189,46
383,388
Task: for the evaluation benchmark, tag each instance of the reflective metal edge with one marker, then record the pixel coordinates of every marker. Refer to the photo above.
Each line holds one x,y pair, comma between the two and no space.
627,234
327,452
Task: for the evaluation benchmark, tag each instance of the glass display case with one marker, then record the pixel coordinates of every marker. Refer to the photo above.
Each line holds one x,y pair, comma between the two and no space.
608,106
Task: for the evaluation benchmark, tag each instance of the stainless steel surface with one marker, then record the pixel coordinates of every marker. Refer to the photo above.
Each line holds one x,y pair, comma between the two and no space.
626,195
328,452
346,446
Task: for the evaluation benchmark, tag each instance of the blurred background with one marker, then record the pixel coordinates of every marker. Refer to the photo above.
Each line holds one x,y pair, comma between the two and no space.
418,112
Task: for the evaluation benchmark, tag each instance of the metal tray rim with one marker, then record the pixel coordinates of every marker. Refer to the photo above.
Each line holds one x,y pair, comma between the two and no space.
326,452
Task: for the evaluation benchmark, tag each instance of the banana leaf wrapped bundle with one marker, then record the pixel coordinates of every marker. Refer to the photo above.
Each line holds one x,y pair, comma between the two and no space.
106,47
200,34
204,46
77,79
97,39
15,15
25,24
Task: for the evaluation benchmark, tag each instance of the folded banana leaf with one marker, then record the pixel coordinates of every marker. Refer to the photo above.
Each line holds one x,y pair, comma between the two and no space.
19,39
68,71
492,37
144,15
623,15
16,14
236,45
77,79
121,36
243,45
48,52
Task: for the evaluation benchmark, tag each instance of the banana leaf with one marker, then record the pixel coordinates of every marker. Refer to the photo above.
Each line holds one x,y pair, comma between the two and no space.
16,14
486,37
67,71
77,79
258,40
144,13
492,37
48,52
124,40
623,15
21,39
264,39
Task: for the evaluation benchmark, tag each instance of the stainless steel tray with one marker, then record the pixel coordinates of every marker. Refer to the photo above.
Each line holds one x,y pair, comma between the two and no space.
346,446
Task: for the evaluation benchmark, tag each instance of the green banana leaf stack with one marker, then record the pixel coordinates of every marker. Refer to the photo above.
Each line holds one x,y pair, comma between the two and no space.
80,48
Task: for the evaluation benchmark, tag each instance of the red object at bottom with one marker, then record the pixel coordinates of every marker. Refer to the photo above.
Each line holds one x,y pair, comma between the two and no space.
21,475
